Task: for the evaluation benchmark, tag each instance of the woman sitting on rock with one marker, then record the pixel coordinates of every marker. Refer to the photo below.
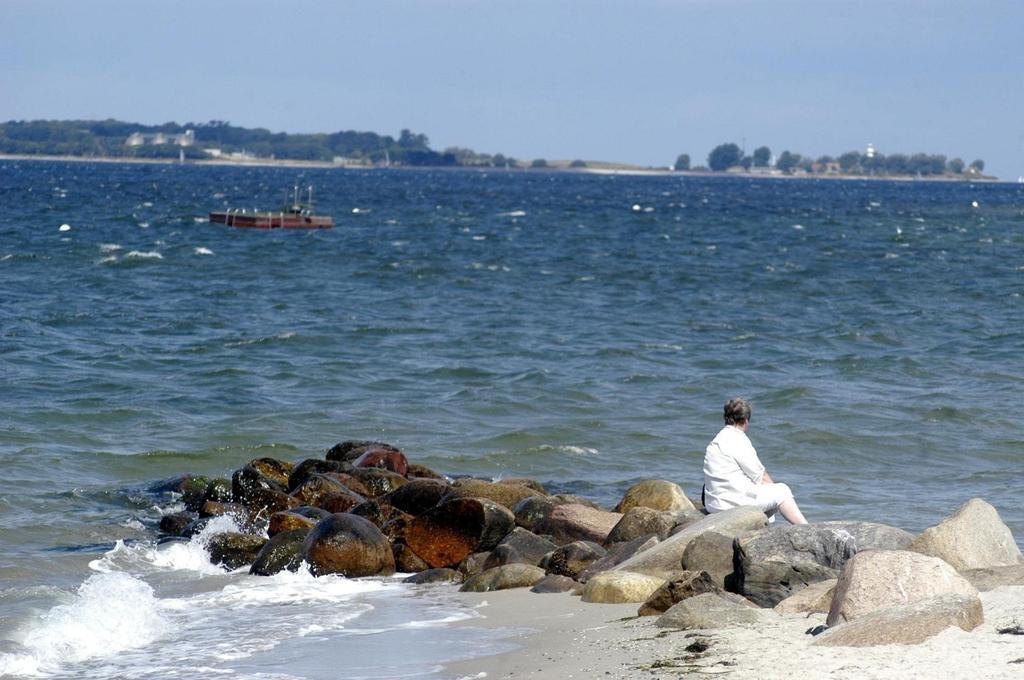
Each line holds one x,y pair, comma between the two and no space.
734,475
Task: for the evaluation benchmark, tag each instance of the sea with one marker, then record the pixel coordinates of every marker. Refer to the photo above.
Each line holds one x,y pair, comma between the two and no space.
580,329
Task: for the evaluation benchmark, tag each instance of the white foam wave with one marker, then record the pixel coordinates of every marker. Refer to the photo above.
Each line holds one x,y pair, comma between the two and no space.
109,614
110,247
202,251
144,254
109,259
192,555
513,213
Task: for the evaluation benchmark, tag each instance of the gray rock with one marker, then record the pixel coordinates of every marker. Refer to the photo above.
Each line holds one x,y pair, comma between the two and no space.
503,578
232,550
572,559
995,577
907,624
710,611
553,583
772,564
617,554
974,537
282,552
577,522
441,575
657,494
530,547
692,583
815,598
639,522
473,564
712,552
876,579
665,558
532,509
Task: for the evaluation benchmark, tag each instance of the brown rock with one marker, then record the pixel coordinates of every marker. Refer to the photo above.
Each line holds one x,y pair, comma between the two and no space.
316,487
418,496
876,579
446,534
283,552
378,481
657,494
348,545
417,471
974,537
348,451
814,599
639,522
273,469
386,459
690,584
504,494
712,552
217,509
408,562
348,481
572,559
340,502
287,521
313,466
233,550
575,522
907,624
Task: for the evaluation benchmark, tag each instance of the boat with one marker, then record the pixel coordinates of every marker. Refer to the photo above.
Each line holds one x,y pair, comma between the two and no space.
292,215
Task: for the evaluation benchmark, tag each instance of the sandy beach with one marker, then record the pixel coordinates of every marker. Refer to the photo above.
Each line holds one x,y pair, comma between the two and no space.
558,636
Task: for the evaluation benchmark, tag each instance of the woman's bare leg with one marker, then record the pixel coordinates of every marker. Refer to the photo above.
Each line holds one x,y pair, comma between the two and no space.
791,511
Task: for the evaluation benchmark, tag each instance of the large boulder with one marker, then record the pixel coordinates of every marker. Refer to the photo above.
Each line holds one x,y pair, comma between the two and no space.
282,552
317,486
503,577
258,492
907,624
348,545
689,584
386,459
520,546
446,534
508,495
577,522
233,550
665,558
406,561
814,599
273,469
572,559
313,466
289,521
418,496
974,537
532,509
442,575
657,494
995,577
712,552
876,579
772,564
378,481
553,583
349,451
176,523
709,611
641,521
612,587
617,553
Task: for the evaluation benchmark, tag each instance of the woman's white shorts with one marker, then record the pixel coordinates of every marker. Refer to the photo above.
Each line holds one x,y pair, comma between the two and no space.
769,497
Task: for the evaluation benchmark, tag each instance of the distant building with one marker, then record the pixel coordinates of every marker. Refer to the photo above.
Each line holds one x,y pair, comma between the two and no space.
187,138
870,151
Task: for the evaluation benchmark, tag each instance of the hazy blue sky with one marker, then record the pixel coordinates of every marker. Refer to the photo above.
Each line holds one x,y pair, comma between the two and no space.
637,81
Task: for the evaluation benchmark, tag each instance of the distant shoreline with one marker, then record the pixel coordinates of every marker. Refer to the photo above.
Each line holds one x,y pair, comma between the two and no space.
604,169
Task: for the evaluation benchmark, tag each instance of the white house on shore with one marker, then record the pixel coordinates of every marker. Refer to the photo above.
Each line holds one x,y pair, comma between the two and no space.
187,138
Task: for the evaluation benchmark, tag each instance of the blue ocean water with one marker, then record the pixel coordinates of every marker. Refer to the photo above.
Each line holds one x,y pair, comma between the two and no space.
580,329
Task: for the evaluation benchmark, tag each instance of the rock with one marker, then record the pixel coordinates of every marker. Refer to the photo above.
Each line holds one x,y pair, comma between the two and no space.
665,558
313,466
553,583
906,624
418,496
381,513
620,586
317,486
348,545
656,494
348,481
690,584
348,451
572,499
217,509
573,558
814,599
446,534
232,550
282,552
712,552
533,509
995,577
523,481
502,578
386,459
379,481
180,484
408,562
442,575
709,611
416,471
218,491
508,495
772,564
519,546
617,553
289,521
175,524
640,522
974,537
259,493
576,522
273,469
875,579
473,564
340,502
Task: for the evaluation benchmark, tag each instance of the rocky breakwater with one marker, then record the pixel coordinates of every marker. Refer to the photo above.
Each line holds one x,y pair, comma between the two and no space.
366,510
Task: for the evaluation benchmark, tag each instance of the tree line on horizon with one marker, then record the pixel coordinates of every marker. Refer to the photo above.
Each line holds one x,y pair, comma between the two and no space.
108,138
729,156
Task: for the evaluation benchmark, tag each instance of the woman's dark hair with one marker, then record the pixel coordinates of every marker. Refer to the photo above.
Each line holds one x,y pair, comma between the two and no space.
737,411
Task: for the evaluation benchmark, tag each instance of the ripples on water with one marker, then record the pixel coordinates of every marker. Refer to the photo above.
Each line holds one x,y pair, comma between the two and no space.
501,324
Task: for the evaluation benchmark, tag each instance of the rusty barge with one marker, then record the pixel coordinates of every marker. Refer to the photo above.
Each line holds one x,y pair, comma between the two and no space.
292,215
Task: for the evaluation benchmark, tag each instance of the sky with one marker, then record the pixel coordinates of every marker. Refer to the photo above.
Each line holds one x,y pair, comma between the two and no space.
637,81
